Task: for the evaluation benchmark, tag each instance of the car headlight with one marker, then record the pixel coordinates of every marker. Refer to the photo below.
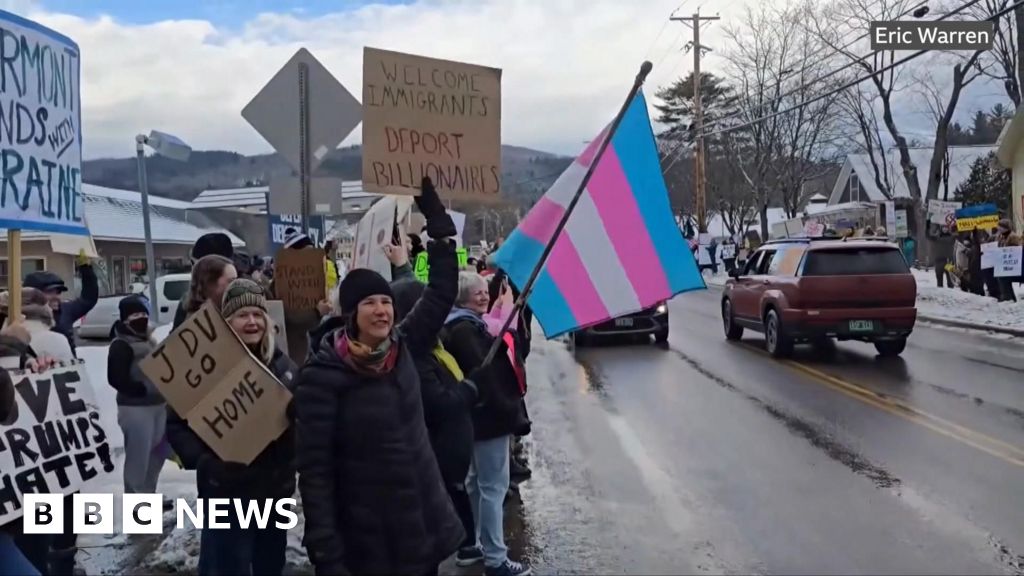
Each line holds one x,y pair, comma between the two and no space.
661,309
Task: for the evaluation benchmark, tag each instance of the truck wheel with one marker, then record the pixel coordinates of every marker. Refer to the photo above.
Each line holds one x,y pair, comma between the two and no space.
732,331
777,342
890,348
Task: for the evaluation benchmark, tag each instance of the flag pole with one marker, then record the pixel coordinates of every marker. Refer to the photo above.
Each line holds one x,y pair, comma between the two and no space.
525,291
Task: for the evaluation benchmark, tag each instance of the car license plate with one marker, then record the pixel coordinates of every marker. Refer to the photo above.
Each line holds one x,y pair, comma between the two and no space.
861,325
623,322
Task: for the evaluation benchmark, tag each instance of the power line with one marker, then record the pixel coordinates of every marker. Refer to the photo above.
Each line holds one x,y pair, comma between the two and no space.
823,59
678,149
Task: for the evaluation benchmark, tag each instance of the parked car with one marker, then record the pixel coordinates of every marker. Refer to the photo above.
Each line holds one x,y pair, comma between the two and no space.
170,289
801,290
650,322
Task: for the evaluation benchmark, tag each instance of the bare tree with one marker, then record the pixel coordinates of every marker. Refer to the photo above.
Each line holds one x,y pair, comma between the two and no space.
857,108
773,62
843,18
1006,48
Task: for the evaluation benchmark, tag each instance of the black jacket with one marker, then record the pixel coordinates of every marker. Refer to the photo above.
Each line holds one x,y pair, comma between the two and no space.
270,475
126,350
501,409
69,312
447,402
374,500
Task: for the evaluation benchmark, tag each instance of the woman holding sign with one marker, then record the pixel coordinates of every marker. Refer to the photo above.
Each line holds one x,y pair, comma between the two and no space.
271,475
375,499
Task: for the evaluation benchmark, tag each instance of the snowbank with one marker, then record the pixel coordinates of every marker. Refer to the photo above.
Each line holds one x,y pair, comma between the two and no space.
946,303
955,304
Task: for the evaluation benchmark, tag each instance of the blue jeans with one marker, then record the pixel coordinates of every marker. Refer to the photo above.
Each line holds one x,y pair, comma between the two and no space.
12,561
487,485
237,551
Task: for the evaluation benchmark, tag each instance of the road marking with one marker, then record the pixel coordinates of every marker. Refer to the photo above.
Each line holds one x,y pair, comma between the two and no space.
998,448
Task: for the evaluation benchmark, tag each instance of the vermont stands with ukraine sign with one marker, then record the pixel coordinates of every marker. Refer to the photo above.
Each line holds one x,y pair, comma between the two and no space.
40,129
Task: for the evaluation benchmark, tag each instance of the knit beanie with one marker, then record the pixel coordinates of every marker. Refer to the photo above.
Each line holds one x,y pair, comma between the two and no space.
213,243
358,285
296,240
241,293
131,305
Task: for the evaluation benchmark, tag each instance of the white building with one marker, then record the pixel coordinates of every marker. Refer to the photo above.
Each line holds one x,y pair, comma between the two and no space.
856,181
115,220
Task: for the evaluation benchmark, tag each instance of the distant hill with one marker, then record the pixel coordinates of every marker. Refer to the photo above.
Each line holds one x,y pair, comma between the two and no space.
526,173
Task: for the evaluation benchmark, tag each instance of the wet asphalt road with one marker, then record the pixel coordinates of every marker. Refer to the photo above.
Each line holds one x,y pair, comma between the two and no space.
710,457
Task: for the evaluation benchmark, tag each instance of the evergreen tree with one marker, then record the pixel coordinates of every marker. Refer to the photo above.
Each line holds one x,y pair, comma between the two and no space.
987,184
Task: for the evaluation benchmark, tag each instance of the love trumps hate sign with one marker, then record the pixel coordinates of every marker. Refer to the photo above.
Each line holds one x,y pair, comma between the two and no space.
53,442
424,117
40,129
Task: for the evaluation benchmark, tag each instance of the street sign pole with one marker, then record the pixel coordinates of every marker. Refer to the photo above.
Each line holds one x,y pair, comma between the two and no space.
304,168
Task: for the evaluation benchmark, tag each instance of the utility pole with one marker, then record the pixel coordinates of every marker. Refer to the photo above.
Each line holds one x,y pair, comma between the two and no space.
698,114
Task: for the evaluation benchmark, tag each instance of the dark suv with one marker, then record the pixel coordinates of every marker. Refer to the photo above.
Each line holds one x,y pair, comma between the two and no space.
810,290
650,322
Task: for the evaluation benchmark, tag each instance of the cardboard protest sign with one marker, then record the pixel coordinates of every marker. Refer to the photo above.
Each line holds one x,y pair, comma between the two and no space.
727,251
814,229
299,280
40,129
375,231
989,255
275,309
434,118
229,398
1008,263
942,213
53,441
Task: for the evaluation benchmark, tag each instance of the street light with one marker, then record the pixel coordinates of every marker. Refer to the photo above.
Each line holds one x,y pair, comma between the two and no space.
170,147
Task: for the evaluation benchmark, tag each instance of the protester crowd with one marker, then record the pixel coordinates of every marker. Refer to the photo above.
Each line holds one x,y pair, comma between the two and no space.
403,436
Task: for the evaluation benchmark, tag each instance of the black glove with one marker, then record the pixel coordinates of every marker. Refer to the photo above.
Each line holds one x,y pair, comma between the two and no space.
439,222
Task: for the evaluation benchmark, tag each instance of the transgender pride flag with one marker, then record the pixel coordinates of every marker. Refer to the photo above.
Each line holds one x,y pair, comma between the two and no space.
621,250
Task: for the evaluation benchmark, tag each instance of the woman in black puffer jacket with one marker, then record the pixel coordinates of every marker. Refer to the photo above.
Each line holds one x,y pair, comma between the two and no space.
364,453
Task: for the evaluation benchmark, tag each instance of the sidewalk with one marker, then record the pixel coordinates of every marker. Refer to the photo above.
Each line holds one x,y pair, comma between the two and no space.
952,306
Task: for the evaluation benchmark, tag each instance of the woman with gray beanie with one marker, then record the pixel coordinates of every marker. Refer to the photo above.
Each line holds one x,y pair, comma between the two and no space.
271,475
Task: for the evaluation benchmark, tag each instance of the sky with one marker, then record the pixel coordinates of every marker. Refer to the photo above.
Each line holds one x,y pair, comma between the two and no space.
188,67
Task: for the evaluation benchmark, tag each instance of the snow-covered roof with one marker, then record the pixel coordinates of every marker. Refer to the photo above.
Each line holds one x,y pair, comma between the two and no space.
117,215
256,196
961,158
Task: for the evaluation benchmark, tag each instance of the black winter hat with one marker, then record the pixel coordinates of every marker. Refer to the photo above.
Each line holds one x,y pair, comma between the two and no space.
130,305
358,285
45,281
213,243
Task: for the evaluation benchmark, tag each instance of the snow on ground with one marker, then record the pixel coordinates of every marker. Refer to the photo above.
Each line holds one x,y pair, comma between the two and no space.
946,303
175,551
955,304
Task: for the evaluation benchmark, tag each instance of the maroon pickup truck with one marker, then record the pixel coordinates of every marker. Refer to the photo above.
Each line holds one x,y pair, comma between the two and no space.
811,290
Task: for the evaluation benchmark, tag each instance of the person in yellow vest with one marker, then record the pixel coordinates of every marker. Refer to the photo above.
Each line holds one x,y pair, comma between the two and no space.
330,266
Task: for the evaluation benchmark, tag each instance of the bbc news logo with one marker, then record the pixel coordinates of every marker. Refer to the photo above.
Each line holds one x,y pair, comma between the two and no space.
143,513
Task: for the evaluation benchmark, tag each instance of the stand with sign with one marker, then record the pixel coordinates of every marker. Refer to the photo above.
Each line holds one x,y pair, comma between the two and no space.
45,160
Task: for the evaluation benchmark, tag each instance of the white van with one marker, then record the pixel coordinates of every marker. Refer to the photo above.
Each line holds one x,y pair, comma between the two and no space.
170,289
